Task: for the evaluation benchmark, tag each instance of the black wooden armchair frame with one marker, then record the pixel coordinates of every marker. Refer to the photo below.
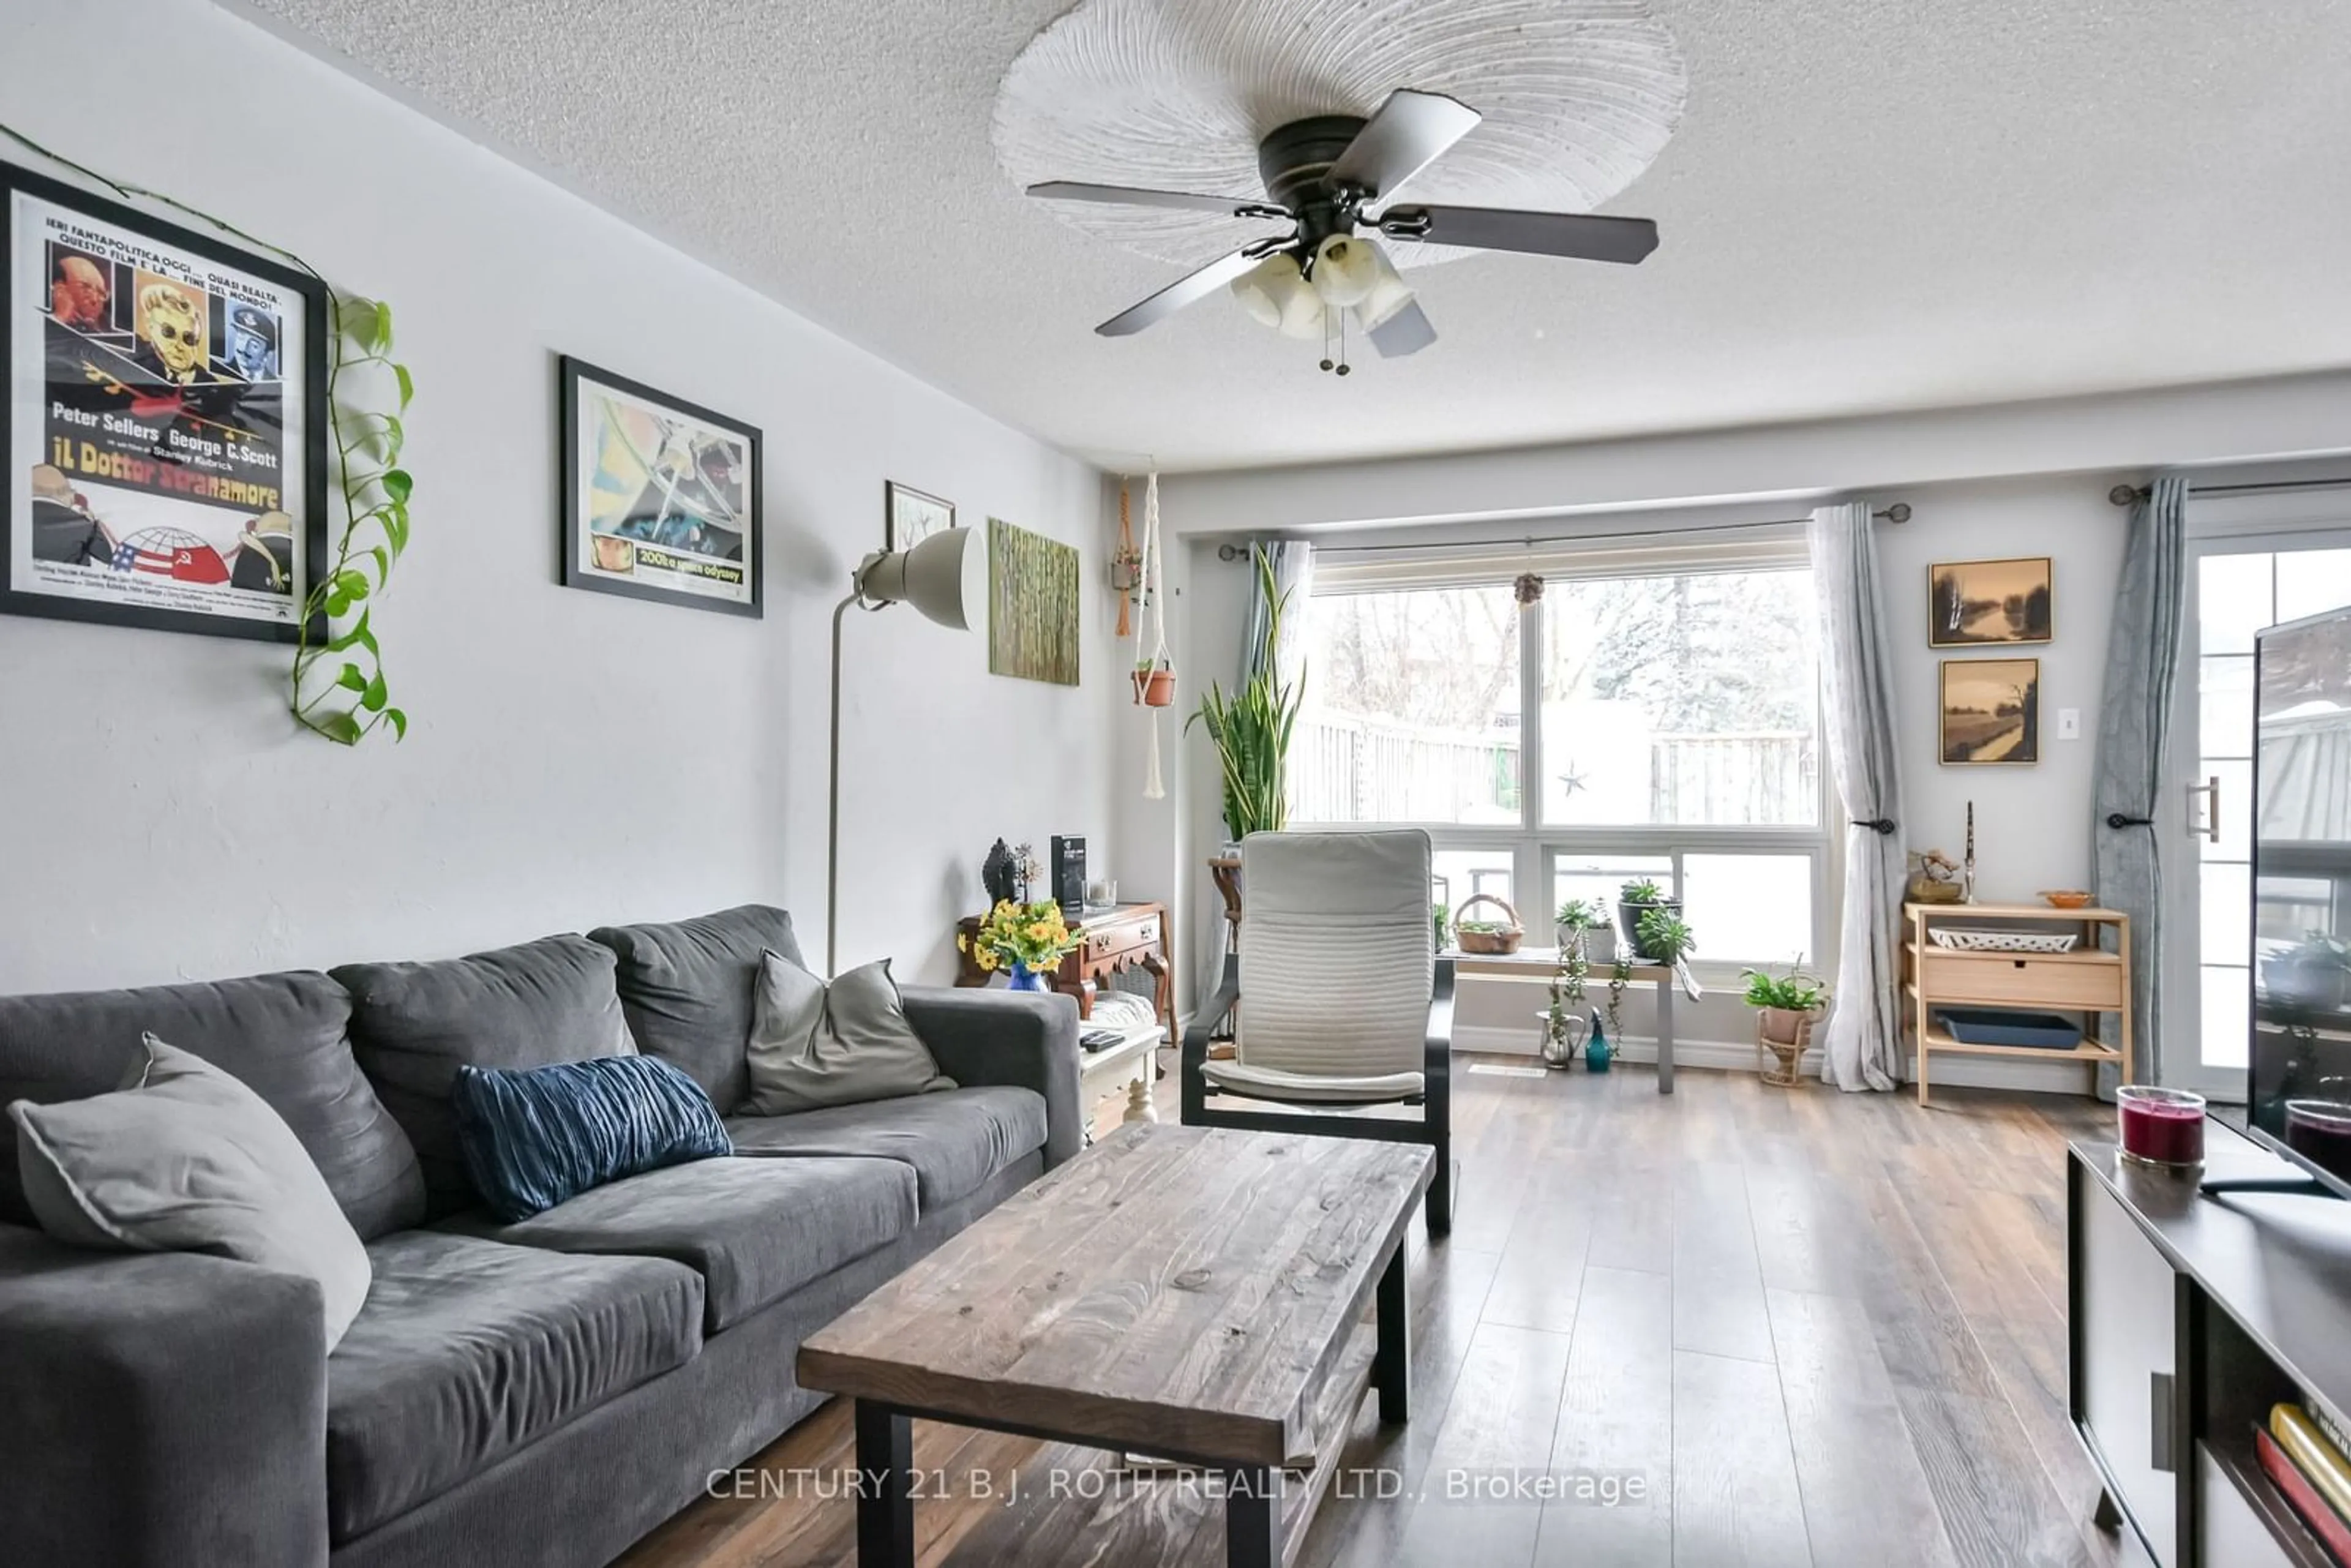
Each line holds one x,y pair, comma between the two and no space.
1434,1128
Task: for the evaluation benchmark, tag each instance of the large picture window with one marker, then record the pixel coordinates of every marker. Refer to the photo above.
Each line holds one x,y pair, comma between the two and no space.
1660,723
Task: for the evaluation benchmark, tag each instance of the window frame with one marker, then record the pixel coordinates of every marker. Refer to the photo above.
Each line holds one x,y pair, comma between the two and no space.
1536,849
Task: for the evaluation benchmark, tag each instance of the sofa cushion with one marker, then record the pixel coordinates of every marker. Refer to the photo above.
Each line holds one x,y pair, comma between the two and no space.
688,989
534,1136
412,1025
467,1351
185,1158
282,1035
954,1140
756,1230
842,1042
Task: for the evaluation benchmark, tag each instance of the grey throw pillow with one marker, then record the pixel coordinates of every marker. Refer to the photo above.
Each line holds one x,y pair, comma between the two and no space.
814,1045
184,1158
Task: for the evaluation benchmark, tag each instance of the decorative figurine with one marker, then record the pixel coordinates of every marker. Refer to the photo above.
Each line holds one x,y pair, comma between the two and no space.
996,874
1968,873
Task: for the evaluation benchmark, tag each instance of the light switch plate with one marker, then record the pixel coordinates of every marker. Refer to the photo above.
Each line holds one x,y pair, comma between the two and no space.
2069,723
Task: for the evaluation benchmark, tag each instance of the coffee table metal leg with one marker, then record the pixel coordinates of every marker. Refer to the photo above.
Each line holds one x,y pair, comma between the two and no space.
1392,1348
1252,1518
885,1496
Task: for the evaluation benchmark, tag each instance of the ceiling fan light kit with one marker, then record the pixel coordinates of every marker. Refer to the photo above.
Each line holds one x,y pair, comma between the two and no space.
1578,97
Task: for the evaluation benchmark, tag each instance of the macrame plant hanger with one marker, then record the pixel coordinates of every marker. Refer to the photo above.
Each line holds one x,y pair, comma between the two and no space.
1154,677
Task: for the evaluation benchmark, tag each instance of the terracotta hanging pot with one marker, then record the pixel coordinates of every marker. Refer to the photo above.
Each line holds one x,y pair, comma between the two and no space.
1155,687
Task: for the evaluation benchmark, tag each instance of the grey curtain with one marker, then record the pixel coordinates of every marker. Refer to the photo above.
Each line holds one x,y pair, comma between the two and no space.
1293,574
2133,744
1864,1049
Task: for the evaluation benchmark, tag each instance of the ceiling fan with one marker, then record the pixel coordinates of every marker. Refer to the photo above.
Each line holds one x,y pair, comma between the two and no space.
1325,175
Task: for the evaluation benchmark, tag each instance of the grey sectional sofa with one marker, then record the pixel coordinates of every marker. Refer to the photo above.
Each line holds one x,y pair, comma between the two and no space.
535,1394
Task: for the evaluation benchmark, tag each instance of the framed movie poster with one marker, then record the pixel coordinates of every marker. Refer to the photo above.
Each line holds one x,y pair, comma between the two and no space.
911,517
661,497
165,445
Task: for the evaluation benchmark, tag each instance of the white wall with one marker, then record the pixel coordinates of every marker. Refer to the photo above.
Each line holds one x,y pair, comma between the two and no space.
1983,483
575,758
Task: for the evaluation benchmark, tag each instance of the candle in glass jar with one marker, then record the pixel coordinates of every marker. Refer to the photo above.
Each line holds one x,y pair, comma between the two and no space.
2161,1126
2320,1131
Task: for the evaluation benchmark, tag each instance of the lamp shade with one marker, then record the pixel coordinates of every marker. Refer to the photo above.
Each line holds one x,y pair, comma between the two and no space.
943,577
1345,270
1387,294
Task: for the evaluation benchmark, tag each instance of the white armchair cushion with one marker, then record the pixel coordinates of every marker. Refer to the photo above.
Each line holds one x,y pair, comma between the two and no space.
1337,957
1266,1084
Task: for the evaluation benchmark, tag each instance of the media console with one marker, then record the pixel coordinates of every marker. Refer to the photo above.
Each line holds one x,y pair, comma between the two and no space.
2188,1316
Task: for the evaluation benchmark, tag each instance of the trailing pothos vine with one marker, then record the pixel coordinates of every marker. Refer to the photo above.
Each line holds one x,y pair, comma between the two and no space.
337,686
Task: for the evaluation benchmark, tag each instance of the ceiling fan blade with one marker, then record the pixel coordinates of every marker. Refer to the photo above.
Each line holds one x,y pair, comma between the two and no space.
1401,139
1186,291
1583,235
1405,332
1134,196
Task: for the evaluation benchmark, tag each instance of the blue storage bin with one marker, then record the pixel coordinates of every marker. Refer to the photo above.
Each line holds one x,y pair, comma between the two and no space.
1982,1026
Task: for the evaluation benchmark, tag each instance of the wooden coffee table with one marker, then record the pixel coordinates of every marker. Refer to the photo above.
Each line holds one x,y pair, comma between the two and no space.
1196,1293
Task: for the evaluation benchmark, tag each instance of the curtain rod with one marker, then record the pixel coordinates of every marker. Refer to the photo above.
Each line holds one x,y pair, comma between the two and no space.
2124,495
1899,512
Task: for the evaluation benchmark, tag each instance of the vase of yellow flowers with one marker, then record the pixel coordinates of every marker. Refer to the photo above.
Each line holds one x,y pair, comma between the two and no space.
1025,940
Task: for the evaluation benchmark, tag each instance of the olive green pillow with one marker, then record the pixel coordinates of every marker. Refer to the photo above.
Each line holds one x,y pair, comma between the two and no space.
814,1044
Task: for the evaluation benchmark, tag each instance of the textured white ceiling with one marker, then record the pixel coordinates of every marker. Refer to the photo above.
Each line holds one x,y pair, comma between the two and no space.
1869,204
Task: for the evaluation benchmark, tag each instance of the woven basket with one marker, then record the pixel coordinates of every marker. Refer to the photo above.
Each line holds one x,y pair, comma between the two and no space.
1488,942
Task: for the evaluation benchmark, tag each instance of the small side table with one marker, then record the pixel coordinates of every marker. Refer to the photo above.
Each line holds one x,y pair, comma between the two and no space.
1109,941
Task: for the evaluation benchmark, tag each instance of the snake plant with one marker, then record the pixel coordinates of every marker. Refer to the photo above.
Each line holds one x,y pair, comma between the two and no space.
1251,728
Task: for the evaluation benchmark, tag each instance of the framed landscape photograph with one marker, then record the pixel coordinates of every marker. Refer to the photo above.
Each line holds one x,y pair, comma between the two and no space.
661,497
165,444
1991,711
1032,605
910,516
1974,602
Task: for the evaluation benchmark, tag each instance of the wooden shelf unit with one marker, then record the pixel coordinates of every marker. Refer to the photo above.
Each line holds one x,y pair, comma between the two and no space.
2088,981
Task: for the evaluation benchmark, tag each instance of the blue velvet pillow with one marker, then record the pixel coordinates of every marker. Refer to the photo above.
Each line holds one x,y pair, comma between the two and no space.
534,1136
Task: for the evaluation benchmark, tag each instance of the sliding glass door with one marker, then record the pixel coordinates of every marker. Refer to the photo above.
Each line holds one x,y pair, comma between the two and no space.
2237,584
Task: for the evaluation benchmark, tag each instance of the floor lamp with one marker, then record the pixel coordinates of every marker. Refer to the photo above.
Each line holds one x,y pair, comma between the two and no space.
941,577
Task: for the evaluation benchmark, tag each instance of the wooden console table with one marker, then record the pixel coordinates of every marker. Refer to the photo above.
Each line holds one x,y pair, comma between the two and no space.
2087,981
1109,941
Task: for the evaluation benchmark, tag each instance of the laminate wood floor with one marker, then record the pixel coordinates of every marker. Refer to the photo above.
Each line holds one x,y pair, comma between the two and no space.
1774,1326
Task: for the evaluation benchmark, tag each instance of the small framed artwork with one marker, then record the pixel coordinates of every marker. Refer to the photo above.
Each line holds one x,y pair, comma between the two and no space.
909,516
1991,711
1970,603
661,497
166,441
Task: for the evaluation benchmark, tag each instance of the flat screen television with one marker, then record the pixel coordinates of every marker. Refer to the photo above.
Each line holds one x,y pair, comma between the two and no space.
2299,1094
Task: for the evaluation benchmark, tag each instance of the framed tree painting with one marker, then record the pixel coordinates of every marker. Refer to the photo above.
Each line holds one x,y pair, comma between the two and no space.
910,516
166,444
1991,711
1974,602
1032,605
661,497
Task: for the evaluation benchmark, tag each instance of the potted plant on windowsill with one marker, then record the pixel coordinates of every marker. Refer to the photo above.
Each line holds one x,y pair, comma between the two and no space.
1662,936
1584,923
1786,1011
1636,898
2314,973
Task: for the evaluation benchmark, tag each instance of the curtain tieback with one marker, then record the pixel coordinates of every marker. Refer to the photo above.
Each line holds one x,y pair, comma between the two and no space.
2117,820
1881,826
